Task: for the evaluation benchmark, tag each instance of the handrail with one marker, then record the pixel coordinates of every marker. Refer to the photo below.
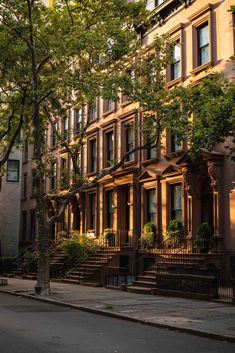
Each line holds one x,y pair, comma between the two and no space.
160,247
21,255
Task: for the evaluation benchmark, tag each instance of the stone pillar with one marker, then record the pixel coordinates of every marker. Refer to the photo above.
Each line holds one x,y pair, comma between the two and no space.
189,203
214,171
165,205
115,215
132,189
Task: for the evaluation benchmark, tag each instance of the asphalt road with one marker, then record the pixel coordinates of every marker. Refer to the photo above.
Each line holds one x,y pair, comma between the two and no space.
28,326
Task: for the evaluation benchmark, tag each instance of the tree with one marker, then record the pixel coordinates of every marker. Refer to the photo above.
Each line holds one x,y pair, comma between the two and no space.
54,57
64,55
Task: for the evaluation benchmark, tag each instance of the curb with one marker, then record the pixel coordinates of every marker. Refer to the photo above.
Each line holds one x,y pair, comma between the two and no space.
200,333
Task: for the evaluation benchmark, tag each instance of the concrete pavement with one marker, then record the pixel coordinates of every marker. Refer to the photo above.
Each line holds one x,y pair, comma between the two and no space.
209,319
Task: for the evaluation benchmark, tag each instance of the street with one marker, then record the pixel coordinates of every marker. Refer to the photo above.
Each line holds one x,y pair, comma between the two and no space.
28,326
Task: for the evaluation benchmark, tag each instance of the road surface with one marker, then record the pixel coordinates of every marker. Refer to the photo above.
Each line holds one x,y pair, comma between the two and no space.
29,326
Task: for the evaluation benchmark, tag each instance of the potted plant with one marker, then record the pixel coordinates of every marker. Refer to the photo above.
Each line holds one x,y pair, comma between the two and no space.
204,239
109,236
147,238
175,231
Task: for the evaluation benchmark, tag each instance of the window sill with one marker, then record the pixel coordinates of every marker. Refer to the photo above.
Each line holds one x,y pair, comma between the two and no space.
124,104
91,174
174,82
93,120
149,161
108,112
129,163
172,155
201,68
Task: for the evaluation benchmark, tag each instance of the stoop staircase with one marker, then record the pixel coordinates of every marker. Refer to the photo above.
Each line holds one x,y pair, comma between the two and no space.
91,271
176,263
26,267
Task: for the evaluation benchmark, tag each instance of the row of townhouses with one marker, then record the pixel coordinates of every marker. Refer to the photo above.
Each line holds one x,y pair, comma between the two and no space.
152,185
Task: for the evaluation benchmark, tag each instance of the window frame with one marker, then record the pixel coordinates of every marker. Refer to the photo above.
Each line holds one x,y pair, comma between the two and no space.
148,213
198,20
173,210
176,35
54,176
25,186
17,170
92,210
78,124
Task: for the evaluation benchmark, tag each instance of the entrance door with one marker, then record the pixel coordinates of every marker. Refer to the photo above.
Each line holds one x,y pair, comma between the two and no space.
207,204
123,213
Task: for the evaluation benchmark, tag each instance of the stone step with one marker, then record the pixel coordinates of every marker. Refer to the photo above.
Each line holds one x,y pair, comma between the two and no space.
90,284
147,278
73,277
95,266
71,281
145,284
91,261
141,290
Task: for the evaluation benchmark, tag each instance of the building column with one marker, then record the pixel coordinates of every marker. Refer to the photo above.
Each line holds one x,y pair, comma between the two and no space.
115,215
132,190
214,171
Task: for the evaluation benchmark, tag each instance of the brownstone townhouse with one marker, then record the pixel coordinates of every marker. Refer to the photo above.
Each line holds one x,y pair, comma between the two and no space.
152,185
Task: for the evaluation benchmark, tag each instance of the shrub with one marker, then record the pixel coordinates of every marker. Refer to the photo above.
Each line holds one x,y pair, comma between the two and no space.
175,230
109,234
79,246
204,239
147,238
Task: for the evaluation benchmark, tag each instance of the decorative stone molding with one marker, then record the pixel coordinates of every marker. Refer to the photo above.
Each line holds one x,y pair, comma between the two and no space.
214,171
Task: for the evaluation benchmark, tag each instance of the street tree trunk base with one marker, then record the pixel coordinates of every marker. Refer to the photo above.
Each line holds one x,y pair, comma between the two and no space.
43,289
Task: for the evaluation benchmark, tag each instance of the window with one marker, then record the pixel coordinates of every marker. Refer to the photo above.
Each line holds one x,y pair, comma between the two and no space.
176,202
151,205
92,210
65,128
25,185
23,226
26,150
93,156
175,145
109,208
78,162
175,66
13,167
129,137
78,117
54,129
151,4
151,152
53,175
109,147
108,105
93,110
64,172
33,182
32,224
203,44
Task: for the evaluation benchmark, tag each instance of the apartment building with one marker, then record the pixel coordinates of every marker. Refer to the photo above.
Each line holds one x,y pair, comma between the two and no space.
152,185
10,200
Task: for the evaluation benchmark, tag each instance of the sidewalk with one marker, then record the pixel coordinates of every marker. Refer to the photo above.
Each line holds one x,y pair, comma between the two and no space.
210,319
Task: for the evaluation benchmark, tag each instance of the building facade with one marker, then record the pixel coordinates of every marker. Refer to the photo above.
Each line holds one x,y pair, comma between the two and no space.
152,185
10,202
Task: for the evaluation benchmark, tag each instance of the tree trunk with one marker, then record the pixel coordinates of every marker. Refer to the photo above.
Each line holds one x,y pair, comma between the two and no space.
43,284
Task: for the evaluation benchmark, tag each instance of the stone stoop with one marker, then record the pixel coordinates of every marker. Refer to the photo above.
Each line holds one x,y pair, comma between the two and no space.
175,265
89,271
